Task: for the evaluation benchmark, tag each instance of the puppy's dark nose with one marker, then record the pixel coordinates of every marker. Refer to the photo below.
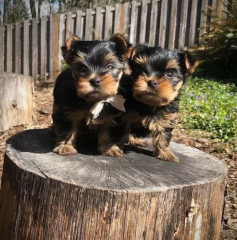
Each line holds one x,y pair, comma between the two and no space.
95,82
153,84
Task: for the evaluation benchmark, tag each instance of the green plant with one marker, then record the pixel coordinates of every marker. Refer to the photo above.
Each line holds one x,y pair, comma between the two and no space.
65,66
210,106
220,42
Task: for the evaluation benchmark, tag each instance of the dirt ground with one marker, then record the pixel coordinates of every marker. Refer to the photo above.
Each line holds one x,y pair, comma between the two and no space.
42,119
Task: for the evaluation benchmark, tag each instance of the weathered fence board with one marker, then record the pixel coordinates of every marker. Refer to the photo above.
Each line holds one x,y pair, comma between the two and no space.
2,48
143,22
152,31
108,21
214,6
133,25
193,23
163,18
9,48
98,24
17,48
118,18
203,17
78,23
52,41
61,38
26,52
222,7
43,48
56,44
183,23
34,52
173,21
89,25
69,27
126,10
33,47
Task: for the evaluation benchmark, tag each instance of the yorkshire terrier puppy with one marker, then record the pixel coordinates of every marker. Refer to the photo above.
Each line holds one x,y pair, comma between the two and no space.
85,95
152,96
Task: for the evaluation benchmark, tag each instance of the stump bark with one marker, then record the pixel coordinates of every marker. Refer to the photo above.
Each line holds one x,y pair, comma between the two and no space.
88,196
16,100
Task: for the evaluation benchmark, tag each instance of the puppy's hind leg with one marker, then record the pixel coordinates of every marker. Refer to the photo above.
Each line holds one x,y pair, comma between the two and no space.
137,141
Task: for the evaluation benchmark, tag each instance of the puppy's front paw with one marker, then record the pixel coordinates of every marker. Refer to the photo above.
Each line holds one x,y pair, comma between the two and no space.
166,155
112,151
65,149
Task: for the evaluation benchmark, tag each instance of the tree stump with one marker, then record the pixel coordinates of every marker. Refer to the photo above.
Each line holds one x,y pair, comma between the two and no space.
16,100
87,196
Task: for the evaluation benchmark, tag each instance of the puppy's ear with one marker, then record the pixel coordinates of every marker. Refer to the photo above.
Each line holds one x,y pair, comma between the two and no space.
123,47
188,63
68,49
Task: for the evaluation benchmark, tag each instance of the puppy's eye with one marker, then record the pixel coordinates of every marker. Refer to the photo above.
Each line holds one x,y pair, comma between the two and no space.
110,67
169,74
107,69
82,73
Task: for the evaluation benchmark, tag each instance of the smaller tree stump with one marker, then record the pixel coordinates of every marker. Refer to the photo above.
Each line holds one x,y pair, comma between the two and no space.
16,100
87,196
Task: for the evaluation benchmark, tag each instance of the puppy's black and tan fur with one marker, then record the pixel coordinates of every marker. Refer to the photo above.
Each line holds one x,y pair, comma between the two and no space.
94,75
152,96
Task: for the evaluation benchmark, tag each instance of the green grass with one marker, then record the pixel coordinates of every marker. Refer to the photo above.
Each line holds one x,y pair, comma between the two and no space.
210,106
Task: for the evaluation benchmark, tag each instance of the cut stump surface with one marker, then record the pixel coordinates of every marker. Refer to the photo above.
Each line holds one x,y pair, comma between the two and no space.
88,196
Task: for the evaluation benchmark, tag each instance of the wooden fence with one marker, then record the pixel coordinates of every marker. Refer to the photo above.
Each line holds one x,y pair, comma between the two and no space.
32,47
